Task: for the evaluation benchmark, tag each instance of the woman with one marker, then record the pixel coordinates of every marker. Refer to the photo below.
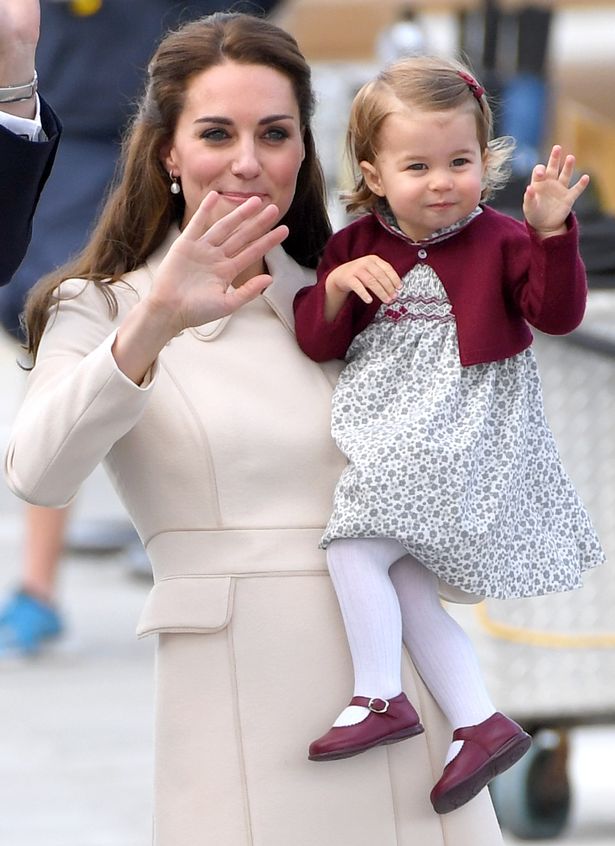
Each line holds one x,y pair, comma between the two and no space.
161,358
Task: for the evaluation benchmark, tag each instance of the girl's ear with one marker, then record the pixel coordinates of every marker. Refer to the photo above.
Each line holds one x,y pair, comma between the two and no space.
372,178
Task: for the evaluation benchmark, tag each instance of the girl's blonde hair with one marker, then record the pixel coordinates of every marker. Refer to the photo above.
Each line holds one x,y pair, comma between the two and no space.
424,83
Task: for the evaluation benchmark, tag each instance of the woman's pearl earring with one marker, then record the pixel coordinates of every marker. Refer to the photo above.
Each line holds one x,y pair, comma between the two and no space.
175,186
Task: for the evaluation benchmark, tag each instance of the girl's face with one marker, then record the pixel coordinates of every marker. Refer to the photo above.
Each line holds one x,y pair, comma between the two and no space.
239,134
429,167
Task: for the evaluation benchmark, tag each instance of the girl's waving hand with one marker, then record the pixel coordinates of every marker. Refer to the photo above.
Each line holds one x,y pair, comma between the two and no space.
549,197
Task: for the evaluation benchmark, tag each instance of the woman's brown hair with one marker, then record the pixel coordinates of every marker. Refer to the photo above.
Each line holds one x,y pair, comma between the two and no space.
425,83
140,208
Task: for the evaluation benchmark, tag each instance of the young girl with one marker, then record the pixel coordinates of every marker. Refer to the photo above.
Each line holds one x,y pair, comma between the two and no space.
453,477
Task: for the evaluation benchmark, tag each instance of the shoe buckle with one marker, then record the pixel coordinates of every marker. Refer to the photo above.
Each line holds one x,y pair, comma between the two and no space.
375,710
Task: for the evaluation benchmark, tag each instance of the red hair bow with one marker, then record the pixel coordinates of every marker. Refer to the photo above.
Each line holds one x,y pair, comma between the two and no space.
476,89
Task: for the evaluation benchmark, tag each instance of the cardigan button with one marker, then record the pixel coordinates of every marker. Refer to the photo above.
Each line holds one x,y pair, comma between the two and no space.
422,254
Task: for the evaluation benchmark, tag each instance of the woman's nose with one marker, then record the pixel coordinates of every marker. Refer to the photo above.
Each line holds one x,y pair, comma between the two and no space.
246,162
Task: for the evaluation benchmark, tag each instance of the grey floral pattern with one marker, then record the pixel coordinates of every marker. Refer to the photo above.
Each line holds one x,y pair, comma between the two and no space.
456,463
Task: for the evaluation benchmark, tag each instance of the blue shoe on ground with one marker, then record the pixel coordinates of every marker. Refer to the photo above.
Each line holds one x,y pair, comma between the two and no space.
26,624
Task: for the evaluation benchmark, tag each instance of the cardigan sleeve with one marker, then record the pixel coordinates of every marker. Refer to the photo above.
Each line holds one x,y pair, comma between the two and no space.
78,403
320,339
550,288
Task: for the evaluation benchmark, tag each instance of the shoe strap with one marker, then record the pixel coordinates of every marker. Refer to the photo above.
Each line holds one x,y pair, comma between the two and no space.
375,704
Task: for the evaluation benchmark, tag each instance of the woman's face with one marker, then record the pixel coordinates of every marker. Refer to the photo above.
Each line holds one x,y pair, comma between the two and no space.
239,134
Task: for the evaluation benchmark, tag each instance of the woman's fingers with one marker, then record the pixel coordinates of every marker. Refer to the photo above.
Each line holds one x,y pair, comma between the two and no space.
252,209
198,223
255,250
250,290
249,230
240,237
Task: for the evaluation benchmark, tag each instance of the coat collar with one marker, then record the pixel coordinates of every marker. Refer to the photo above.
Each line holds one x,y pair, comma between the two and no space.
384,215
288,278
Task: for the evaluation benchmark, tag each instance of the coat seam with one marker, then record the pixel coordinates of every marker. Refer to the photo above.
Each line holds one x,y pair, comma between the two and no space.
227,529
204,440
239,736
393,798
430,753
257,574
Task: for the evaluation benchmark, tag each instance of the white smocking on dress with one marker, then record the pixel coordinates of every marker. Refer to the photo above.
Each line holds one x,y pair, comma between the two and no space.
456,463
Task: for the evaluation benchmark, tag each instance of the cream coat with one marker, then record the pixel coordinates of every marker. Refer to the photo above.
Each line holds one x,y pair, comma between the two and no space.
224,461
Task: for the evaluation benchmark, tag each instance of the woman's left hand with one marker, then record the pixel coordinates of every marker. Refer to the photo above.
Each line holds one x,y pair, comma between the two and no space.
549,197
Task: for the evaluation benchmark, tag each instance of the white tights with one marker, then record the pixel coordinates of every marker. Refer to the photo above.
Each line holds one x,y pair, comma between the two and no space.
385,594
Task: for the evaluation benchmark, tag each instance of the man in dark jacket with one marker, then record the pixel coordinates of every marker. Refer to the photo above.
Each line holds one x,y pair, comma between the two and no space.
25,156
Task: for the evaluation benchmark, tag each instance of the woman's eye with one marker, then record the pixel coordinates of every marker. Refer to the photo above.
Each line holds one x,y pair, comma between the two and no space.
214,134
276,134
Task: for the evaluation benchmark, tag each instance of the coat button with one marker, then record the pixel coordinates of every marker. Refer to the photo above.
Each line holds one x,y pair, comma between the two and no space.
422,254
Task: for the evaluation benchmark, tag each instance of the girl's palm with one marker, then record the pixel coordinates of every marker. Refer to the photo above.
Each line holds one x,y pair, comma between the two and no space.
549,197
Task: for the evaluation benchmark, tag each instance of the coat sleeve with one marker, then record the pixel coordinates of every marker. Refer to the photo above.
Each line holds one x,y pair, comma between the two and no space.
78,403
24,168
550,287
320,339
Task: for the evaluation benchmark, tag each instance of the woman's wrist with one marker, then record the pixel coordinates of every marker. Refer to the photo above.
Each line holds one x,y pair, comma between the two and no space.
146,330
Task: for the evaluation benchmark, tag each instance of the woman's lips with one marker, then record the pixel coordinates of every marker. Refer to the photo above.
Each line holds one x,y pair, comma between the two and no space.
240,197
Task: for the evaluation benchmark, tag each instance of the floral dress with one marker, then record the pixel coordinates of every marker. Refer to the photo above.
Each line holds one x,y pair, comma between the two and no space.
456,463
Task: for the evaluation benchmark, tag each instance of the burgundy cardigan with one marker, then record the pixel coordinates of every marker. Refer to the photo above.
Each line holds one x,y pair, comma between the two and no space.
498,275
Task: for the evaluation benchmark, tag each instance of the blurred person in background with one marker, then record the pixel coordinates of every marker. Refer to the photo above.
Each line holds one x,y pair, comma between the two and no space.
91,60
517,53
515,62
405,37
525,106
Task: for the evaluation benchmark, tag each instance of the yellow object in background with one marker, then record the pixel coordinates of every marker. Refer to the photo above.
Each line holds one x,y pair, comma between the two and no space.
85,7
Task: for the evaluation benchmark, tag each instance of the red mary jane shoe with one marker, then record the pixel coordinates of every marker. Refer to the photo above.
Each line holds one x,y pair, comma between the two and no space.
390,720
488,749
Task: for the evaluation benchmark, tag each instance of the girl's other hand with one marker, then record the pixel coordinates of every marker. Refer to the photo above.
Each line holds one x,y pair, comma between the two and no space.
549,197
365,276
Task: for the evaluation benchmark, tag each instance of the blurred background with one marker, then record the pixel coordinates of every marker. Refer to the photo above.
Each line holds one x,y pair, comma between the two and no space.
75,713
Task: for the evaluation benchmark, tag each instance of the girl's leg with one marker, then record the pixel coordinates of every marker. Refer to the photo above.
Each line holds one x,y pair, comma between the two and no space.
359,569
485,742
440,649
379,712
